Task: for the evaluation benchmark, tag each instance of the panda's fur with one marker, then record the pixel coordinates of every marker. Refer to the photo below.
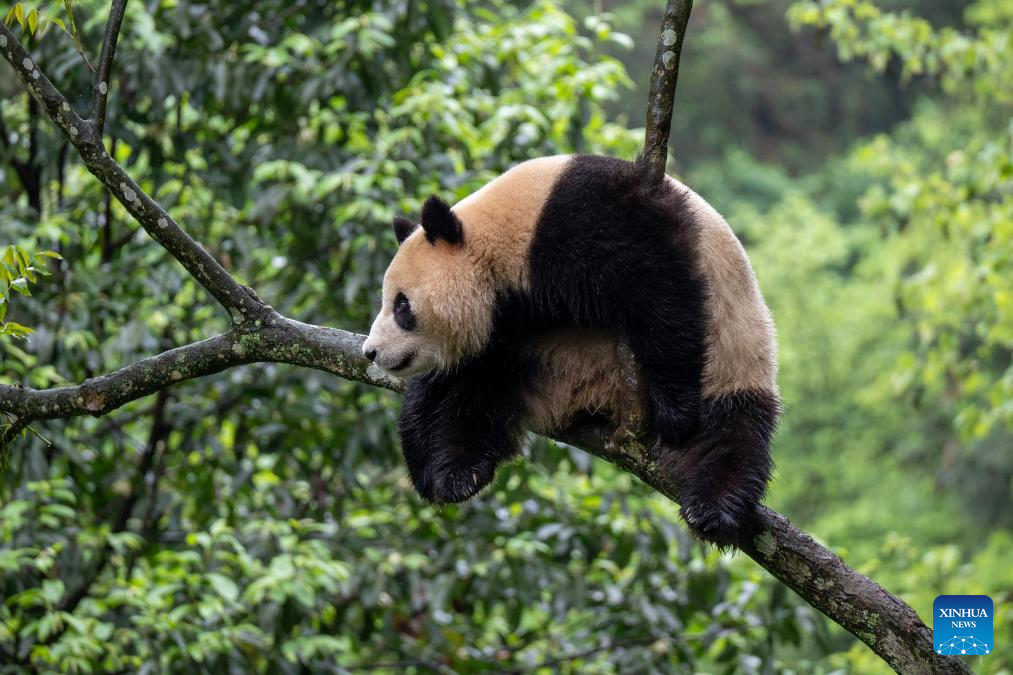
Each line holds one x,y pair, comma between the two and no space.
507,311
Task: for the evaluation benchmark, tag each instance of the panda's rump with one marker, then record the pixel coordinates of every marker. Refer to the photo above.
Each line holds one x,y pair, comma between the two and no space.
575,371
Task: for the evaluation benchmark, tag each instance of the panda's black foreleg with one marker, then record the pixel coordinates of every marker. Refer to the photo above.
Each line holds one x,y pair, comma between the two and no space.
456,429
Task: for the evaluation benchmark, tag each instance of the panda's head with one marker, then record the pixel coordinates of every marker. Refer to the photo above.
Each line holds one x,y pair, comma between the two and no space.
438,297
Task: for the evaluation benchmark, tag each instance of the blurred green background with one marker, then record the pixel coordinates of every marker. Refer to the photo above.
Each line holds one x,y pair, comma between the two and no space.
261,520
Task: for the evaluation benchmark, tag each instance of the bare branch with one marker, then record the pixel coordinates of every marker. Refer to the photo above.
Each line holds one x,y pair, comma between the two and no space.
663,80
85,137
277,340
105,64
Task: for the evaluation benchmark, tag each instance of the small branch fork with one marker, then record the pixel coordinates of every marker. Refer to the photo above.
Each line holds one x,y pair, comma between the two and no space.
260,334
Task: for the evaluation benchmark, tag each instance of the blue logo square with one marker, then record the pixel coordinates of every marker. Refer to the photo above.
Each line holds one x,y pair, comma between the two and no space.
962,625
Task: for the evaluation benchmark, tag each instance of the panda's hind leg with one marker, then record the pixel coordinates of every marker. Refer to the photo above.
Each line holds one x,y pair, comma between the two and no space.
716,449
665,329
723,471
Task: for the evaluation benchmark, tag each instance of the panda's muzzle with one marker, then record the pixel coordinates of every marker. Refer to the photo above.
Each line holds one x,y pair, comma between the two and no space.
404,363
378,358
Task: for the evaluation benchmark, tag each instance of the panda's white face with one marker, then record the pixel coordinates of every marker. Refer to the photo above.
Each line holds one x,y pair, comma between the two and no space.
437,301
398,342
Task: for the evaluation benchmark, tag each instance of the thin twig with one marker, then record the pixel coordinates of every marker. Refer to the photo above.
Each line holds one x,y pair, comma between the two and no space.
75,34
105,64
664,77
15,425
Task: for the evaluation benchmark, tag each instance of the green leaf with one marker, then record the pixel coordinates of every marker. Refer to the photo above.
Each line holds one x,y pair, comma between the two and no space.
14,328
52,590
224,586
21,286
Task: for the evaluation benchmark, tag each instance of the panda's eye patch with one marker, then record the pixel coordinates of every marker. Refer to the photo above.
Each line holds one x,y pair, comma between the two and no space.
404,317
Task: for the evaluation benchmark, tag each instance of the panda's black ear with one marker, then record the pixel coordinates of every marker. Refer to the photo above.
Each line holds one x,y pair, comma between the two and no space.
402,228
439,222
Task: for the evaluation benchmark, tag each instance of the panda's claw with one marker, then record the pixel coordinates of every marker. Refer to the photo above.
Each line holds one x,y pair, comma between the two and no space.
455,484
718,521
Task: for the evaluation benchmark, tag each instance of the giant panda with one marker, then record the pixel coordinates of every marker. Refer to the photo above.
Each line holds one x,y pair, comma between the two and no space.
505,313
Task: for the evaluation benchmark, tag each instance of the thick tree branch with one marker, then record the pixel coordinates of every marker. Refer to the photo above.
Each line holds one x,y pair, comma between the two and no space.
276,339
884,622
105,64
86,138
879,619
663,80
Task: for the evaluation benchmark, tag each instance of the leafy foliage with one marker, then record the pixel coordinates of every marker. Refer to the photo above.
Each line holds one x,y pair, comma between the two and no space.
18,269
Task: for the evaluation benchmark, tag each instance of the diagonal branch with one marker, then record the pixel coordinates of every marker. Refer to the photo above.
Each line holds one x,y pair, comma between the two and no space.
105,64
86,139
884,622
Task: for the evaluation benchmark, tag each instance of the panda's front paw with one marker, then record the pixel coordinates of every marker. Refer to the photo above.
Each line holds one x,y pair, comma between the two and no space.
452,483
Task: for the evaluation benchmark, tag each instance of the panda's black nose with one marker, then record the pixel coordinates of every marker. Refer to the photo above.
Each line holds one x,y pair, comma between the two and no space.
371,354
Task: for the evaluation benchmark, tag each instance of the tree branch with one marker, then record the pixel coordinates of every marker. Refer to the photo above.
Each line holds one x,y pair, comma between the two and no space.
884,622
276,340
881,620
663,80
87,140
105,64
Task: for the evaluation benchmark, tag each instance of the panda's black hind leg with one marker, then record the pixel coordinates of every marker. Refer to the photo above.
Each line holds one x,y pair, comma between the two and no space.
666,335
724,470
